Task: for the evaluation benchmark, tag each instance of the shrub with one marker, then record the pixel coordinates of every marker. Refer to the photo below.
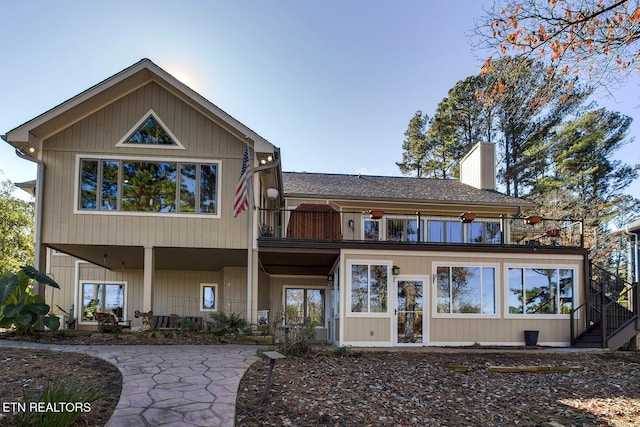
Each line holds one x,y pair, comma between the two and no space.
302,341
232,324
75,396
20,307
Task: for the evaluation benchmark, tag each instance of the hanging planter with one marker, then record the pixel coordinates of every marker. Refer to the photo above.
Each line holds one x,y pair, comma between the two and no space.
554,232
376,214
467,217
532,219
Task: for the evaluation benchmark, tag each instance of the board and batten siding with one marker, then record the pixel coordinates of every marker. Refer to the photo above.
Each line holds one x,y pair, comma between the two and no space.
98,133
502,328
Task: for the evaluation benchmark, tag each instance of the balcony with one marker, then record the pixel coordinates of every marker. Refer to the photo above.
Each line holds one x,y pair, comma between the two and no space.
324,224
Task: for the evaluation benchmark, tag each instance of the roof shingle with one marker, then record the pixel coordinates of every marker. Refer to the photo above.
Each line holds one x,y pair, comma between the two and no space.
406,189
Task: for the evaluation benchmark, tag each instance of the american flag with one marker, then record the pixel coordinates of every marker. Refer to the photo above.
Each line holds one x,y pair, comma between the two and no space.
241,200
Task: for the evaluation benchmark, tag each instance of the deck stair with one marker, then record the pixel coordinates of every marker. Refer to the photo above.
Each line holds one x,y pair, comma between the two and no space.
609,318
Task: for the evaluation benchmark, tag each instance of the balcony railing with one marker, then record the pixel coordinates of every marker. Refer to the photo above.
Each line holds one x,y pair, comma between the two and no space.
323,223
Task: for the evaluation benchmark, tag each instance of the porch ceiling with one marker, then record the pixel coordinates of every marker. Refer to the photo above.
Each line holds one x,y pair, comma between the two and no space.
191,259
298,261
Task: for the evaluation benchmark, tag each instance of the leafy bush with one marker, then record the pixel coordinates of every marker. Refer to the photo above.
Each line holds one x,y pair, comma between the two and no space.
20,307
109,328
232,324
302,340
342,350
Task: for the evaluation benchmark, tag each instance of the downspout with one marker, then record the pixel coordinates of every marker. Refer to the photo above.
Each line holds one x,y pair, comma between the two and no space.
634,275
38,219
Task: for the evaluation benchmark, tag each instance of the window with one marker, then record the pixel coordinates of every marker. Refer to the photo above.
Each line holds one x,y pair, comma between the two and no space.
404,229
369,288
208,297
444,231
148,186
150,132
466,290
304,304
540,290
483,232
371,229
102,298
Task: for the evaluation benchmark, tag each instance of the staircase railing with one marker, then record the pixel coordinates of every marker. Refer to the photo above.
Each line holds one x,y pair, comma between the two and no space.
611,304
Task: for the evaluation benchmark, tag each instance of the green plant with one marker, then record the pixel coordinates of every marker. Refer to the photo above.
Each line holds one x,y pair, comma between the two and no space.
342,350
189,325
20,307
232,324
266,230
109,328
67,398
303,339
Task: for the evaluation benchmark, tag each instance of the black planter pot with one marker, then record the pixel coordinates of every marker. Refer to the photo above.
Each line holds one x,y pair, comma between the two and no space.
531,338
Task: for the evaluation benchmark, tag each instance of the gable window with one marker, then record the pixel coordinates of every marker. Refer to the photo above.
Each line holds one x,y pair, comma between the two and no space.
304,304
150,132
467,290
540,290
369,288
208,297
148,186
102,297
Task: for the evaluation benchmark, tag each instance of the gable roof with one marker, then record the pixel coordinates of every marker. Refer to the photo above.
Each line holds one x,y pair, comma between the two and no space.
392,188
116,86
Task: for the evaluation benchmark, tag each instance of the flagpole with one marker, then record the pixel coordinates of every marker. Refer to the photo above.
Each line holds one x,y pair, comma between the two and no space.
250,215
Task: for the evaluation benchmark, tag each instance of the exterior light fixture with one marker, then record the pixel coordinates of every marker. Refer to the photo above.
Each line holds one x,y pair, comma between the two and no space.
32,150
329,277
272,193
351,224
395,270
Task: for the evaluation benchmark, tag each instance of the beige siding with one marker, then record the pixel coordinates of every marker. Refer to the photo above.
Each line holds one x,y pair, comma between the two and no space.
97,135
459,330
174,292
367,329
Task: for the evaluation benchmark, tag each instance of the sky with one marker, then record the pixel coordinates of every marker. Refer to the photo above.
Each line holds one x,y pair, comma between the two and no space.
332,83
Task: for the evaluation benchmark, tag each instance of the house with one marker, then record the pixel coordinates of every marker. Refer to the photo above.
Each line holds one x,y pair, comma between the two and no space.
631,232
135,193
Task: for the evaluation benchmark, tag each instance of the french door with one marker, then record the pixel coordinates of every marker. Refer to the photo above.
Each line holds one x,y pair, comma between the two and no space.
409,311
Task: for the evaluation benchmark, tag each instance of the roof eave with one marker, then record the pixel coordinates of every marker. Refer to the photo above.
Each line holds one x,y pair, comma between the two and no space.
21,133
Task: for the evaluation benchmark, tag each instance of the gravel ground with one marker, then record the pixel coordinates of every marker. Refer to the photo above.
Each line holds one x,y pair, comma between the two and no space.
417,389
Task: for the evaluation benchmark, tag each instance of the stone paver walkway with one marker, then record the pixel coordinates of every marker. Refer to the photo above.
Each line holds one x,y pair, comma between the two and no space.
171,385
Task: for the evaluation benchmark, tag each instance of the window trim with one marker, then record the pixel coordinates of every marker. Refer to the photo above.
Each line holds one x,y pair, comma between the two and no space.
123,141
176,160
576,289
496,291
348,288
306,287
79,304
216,297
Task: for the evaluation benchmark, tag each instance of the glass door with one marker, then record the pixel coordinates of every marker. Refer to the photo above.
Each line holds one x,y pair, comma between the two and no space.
409,312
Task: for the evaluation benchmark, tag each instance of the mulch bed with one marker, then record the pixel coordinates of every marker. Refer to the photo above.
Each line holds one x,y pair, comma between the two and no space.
417,388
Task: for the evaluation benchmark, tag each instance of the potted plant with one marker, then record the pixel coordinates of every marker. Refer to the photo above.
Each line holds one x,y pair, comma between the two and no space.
266,230
532,219
467,217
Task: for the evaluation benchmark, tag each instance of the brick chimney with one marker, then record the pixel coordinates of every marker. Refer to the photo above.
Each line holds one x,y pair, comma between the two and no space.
478,167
